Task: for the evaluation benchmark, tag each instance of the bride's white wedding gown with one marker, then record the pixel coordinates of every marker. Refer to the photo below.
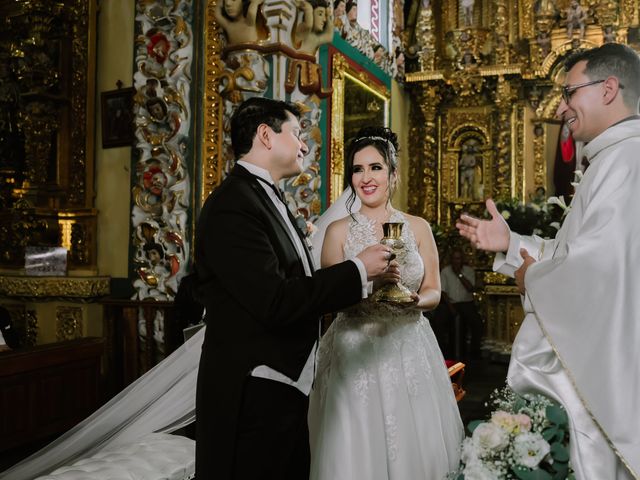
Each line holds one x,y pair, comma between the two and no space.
382,405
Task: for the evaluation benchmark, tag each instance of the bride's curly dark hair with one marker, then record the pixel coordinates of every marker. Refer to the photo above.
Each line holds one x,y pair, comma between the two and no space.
385,141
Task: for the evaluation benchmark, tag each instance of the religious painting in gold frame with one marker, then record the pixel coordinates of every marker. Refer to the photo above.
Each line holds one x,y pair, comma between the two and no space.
358,100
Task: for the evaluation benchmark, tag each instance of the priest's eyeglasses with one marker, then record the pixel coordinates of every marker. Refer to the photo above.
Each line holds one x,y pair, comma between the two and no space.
569,90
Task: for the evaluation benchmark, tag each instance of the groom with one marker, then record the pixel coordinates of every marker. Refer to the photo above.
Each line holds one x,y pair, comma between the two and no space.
263,301
581,291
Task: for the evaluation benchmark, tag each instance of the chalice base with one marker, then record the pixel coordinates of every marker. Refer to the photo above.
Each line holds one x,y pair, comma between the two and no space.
393,293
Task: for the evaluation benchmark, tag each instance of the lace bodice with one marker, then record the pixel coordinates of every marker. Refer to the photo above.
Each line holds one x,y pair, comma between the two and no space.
362,234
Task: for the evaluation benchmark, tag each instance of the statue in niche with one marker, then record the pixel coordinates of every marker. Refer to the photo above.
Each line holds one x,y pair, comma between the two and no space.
238,19
544,43
576,18
609,34
470,171
316,27
467,12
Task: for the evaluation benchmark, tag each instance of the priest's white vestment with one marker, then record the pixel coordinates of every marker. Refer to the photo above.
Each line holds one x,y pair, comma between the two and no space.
580,339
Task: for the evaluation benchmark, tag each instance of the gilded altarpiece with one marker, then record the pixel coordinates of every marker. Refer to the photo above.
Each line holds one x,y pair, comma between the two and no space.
47,91
487,85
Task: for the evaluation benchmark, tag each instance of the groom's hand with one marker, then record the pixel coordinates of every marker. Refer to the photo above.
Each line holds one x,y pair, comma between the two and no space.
390,275
376,259
521,272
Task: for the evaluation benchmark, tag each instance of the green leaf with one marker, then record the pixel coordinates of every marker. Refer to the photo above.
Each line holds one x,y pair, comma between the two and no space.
561,469
460,477
559,452
549,433
474,424
557,415
528,474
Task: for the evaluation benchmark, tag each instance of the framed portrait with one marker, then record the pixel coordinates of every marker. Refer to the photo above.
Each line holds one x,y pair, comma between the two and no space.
117,117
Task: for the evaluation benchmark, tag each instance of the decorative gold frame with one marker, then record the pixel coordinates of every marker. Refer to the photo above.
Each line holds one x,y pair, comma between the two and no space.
213,109
341,70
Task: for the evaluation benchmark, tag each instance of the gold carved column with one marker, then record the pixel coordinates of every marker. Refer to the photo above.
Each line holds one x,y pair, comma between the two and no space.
506,95
424,166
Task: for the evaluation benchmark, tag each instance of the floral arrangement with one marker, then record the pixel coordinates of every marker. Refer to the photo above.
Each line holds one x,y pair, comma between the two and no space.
527,438
540,216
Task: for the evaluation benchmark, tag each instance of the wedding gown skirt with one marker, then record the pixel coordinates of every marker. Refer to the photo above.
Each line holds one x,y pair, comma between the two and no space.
382,405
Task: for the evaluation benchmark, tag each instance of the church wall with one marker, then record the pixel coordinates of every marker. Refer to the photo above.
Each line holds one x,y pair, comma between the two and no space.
114,62
400,102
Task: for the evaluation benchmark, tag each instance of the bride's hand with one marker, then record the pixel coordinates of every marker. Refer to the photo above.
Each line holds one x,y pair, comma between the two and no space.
390,275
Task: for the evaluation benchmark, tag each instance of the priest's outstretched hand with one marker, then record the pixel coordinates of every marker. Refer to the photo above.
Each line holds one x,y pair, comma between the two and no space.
492,235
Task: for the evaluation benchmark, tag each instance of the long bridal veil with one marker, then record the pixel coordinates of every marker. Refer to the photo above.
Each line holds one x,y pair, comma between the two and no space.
162,400
336,211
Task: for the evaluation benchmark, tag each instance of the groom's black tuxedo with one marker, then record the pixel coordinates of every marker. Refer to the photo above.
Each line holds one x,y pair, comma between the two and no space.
261,309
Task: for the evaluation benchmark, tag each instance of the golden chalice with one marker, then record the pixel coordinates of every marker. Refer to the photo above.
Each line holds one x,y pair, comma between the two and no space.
393,292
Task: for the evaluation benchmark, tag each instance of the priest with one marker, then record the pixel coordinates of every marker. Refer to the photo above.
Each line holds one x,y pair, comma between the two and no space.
579,341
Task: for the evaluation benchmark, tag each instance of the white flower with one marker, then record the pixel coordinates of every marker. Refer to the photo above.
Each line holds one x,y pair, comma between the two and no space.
512,423
557,201
469,452
529,449
555,225
478,471
505,214
490,437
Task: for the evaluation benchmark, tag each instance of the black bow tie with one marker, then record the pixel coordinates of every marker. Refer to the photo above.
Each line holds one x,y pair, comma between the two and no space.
298,221
273,187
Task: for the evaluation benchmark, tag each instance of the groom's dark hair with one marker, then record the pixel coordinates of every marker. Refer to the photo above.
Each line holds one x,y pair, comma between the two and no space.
254,112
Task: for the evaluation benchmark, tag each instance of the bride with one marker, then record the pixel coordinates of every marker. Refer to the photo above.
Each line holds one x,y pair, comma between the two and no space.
382,406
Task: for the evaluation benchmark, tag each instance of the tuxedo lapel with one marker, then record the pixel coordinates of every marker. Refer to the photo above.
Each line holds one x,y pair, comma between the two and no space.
264,199
303,239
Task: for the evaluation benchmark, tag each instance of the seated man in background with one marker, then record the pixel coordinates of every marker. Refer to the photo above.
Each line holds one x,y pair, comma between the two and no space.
458,282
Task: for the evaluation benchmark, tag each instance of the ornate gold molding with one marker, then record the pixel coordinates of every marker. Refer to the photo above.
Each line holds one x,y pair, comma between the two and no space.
68,323
501,290
517,141
424,156
494,278
212,107
85,288
427,76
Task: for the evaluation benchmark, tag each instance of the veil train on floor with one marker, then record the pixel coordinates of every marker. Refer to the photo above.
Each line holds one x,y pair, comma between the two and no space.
162,400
